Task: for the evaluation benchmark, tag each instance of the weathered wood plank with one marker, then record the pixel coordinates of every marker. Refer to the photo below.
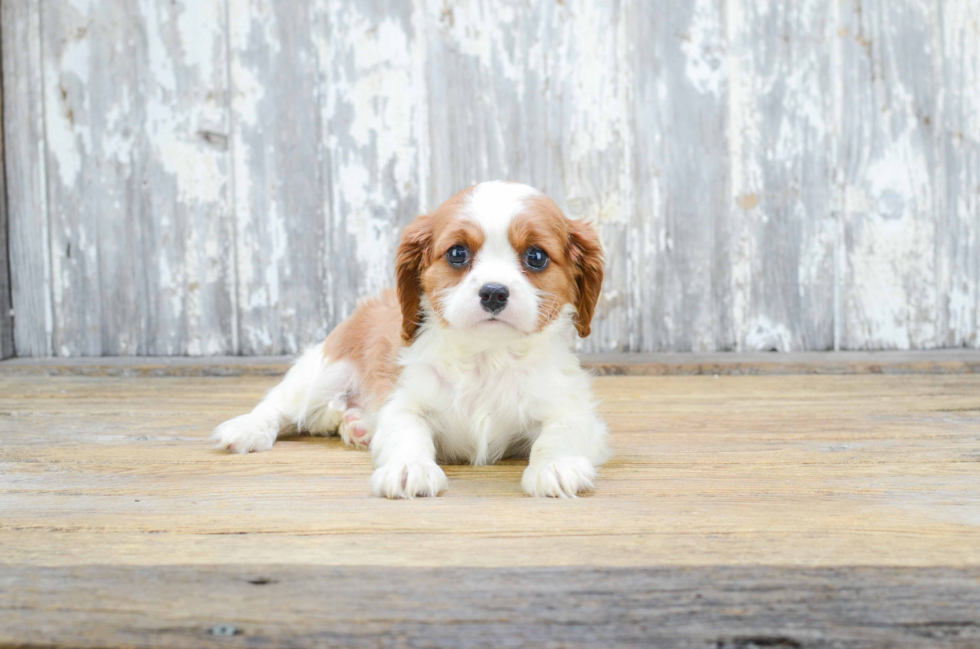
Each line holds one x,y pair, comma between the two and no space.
781,470
958,133
23,126
538,94
373,130
329,109
282,195
137,125
765,174
683,235
780,127
893,175
6,308
274,606
946,361
740,511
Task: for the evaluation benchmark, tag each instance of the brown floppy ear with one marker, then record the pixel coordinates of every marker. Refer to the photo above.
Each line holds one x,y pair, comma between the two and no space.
585,252
408,270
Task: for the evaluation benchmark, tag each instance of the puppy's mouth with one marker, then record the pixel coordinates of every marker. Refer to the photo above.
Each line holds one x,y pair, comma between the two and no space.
496,323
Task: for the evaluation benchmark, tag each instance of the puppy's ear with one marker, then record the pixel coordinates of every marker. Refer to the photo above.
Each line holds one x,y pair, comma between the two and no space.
408,270
585,252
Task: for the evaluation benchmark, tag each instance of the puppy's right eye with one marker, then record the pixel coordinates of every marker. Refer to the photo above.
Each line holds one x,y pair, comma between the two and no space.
458,256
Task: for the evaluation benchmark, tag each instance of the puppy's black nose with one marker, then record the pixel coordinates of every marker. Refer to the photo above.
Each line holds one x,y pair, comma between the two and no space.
493,297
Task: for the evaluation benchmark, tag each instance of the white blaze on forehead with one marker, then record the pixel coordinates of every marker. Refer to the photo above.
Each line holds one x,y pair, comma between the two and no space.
493,205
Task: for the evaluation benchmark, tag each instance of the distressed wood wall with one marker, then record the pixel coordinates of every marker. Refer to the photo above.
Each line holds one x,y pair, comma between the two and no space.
229,176
6,320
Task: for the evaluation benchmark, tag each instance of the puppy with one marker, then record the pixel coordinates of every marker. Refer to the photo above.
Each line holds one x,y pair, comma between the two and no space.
467,360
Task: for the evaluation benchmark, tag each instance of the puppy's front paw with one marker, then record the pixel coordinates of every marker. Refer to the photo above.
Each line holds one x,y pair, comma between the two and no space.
408,480
245,434
562,477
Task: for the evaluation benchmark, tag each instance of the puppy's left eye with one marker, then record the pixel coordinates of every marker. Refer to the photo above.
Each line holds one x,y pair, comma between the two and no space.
535,258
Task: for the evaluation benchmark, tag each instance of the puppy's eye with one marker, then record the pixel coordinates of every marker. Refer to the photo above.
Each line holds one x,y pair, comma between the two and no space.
535,258
458,256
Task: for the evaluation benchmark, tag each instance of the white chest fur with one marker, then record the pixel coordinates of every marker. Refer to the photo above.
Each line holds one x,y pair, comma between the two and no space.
484,397
483,413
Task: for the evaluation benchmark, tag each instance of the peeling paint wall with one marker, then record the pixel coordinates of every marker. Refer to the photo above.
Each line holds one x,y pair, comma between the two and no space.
230,176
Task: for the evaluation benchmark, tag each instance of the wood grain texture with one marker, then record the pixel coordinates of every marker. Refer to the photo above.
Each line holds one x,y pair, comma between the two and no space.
755,470
6,308
959,224
373,110
944,361
137,126
893,175
230,176
791,511
276,606
281,181
784,236
683,229
23,127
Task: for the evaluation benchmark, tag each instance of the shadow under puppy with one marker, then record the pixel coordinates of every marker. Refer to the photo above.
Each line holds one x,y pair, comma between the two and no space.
468,360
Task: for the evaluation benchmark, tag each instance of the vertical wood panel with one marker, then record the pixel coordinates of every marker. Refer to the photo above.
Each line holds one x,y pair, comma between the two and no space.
93,193
372,107
959,221
891,170
136,128
589,90
682,228
281,198
328,108
23,125
188,202
6,320
538,94
780,128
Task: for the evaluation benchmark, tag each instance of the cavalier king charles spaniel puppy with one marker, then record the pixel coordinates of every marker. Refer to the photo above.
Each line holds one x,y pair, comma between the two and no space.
468,360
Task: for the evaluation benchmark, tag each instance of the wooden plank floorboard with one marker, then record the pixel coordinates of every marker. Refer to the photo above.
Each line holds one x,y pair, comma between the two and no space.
872,470
857,494
938,361
296,606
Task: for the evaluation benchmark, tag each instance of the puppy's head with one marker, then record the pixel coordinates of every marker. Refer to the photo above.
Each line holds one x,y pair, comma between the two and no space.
498,255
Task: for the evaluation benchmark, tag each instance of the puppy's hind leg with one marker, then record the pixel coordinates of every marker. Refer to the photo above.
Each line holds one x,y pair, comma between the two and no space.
325,401
311,398
332,408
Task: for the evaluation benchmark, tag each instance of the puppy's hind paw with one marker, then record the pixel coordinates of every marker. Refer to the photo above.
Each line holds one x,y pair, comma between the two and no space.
562,477
408,480
246,434
355,430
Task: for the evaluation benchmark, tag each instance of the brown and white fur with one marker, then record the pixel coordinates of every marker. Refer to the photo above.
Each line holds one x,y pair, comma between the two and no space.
430,373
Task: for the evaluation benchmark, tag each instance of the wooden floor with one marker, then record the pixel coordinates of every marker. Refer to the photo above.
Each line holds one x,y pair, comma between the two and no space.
740,511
